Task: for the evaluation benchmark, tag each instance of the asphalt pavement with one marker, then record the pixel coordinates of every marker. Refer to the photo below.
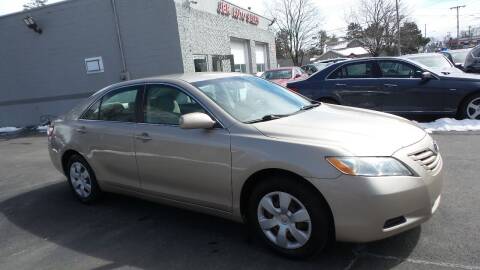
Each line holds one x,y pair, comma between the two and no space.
42,226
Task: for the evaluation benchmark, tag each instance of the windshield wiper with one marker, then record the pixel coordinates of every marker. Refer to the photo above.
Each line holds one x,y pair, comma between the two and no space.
267,117
310,106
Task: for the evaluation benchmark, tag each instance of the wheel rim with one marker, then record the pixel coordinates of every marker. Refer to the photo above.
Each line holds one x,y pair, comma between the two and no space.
80,178
473,109
284,220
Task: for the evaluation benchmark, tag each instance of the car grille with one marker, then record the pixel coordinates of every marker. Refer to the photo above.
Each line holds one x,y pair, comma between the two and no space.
427,158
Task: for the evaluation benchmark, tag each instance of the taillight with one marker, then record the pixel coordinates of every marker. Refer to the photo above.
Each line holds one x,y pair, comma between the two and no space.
50,130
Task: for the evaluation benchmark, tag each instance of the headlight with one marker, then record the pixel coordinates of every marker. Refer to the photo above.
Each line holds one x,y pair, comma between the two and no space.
369,166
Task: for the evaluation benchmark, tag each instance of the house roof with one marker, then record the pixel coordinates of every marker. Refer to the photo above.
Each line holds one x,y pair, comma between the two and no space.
354,50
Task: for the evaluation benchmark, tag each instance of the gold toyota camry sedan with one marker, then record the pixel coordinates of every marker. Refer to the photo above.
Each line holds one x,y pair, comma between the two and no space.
299,173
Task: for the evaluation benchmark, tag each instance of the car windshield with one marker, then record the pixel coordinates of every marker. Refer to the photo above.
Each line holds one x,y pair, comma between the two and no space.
433,61
278,74
250,99
459,56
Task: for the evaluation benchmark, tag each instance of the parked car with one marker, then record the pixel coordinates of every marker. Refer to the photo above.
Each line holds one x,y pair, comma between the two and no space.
284,75
233,145
472,61
394,85
457,57
434,61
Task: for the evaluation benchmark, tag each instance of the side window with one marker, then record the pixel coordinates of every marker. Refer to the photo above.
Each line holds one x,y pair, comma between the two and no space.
93,112
396,69
475,52
119,105
165,105
352,71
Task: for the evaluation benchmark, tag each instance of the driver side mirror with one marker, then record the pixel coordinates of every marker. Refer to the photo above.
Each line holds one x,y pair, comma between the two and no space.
426,75
297,76
196,121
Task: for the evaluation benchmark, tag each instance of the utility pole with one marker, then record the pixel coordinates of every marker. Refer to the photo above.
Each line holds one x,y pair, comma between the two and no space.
399,48
425,30
458,19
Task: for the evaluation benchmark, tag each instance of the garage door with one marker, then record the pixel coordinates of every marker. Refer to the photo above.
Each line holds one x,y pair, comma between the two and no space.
261,56
240,55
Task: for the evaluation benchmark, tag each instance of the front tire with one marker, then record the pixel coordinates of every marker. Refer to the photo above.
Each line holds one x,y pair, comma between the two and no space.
470,108
82,180
289,216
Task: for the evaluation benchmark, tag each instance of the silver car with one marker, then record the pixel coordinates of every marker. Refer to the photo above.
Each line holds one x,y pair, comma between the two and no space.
300,174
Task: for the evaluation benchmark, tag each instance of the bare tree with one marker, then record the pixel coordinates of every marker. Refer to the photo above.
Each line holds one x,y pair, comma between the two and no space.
297,21
378,19
34,4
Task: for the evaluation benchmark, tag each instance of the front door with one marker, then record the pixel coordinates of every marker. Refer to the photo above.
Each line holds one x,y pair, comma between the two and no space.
190,166
406,91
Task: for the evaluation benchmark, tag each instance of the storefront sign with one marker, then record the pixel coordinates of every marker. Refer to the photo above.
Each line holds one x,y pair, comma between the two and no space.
229,10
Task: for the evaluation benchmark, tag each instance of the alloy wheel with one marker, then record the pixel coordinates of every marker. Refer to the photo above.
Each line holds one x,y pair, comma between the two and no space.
80,178
473,109
284,220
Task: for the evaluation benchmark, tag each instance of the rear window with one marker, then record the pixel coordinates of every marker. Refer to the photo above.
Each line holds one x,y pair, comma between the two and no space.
278,74
357,70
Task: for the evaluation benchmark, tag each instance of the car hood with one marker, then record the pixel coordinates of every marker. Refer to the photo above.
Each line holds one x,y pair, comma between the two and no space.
461,76
355,131
448,71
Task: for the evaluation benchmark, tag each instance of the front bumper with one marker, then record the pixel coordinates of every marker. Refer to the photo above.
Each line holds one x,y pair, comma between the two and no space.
363,208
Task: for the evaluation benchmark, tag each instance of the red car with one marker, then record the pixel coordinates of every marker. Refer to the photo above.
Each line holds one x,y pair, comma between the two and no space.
284,75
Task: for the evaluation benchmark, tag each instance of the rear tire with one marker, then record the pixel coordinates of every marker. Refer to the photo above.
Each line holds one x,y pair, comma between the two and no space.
298,227
470,108
82,180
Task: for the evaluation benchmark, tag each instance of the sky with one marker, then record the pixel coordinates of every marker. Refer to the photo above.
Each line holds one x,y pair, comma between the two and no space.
435,14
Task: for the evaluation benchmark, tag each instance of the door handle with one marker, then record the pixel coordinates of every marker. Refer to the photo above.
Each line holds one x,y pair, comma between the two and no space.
390,85
82,130
341,84
143,137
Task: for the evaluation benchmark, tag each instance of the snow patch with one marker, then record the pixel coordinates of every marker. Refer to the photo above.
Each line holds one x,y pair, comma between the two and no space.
449,124
8,129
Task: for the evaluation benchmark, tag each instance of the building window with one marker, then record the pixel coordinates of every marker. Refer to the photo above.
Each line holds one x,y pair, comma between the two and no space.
241,68
261,56
94,65
201,63
240,55
223,63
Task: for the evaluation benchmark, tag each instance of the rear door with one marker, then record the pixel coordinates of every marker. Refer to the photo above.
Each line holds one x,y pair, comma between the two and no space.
357,84
406,92
105,133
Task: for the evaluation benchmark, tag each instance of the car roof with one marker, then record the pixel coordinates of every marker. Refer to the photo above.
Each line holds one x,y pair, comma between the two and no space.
332,60
354,60
197,76
178,77
421,55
